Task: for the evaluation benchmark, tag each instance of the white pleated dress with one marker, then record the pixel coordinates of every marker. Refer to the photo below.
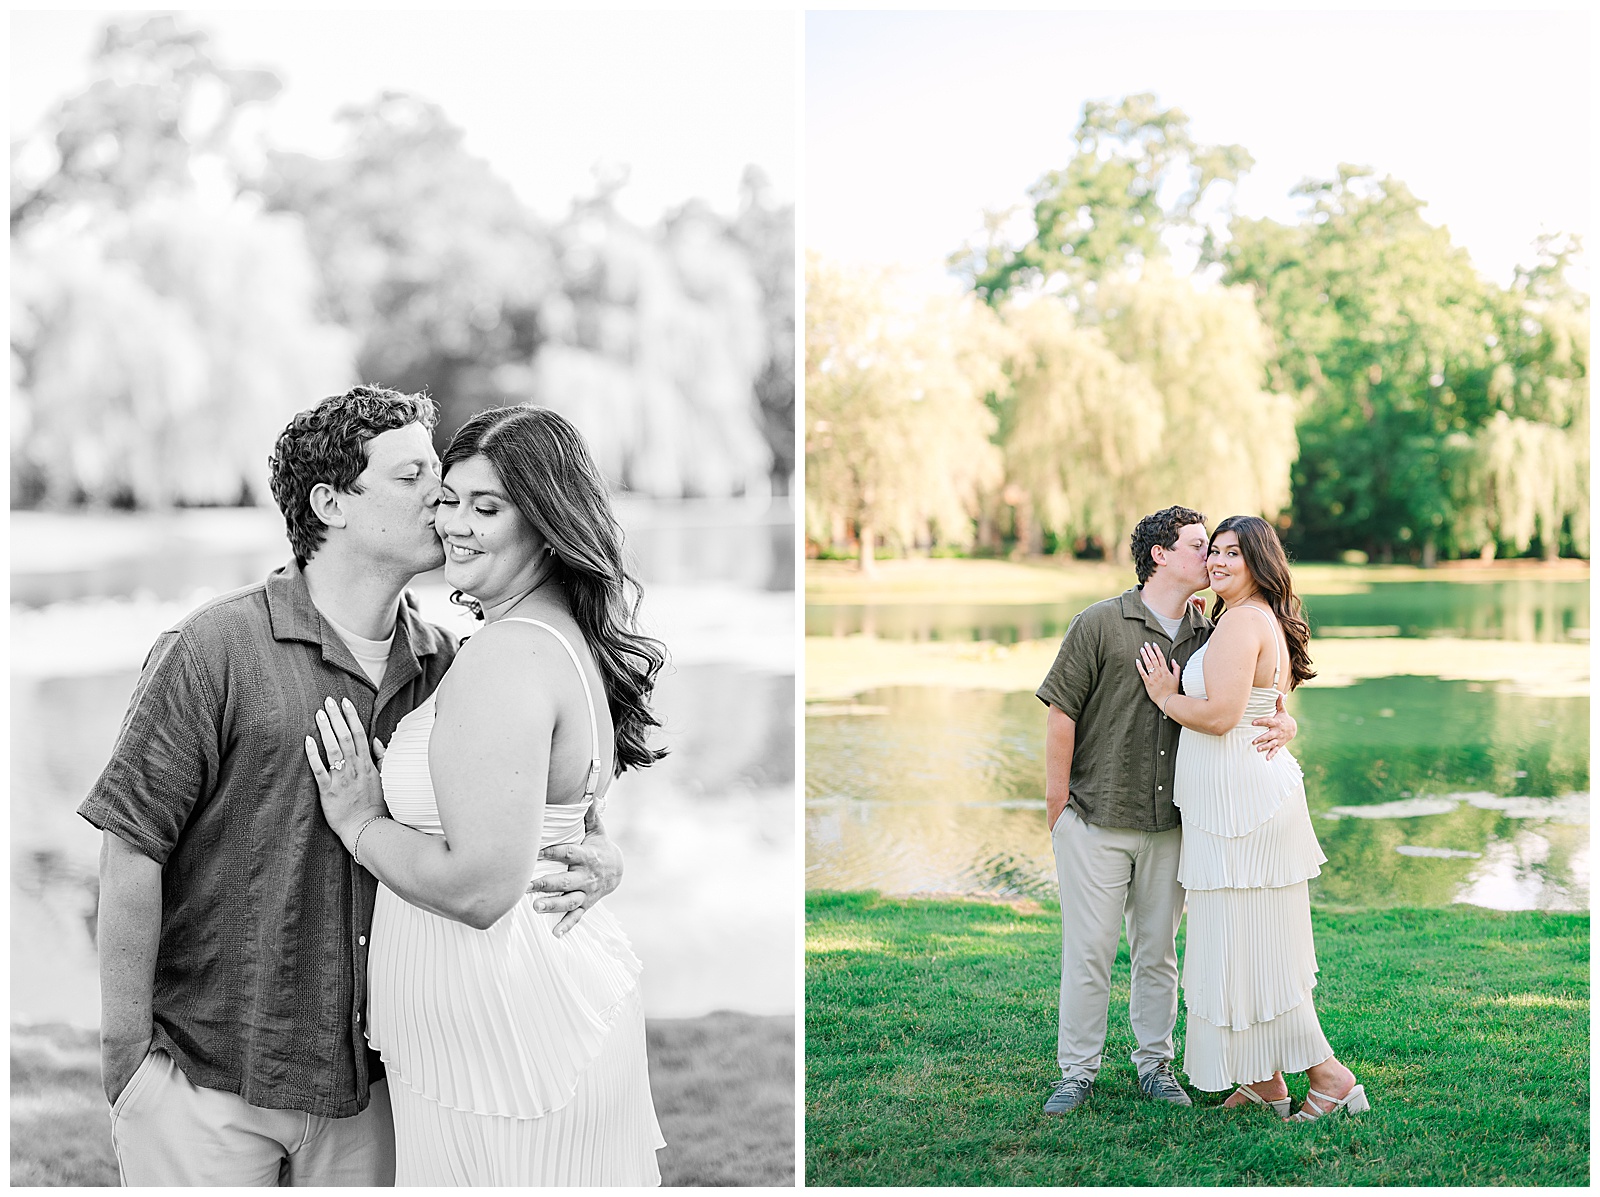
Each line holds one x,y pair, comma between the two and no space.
1249,965
513,1057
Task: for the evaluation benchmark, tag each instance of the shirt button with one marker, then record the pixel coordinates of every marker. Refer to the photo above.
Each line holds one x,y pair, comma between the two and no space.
362,939
358,1018
1163,753
1158,787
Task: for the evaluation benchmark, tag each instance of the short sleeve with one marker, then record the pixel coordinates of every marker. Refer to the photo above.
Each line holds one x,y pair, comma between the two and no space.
166,756
1076,669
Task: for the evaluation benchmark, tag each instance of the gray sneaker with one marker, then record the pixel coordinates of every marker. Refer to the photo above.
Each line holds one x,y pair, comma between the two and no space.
1160,1085
1068,1095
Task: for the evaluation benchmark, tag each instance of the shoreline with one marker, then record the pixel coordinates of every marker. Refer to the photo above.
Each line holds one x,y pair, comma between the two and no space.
986,580
845,667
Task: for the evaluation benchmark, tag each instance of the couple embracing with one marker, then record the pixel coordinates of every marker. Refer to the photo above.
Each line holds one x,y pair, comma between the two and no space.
1153,710
324,963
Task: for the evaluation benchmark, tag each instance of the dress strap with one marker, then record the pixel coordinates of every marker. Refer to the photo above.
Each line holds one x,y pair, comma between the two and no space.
588,695
1277,653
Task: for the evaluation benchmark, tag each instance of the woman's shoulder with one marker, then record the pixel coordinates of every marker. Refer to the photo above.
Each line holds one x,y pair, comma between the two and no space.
510,652
1247,616
1236,628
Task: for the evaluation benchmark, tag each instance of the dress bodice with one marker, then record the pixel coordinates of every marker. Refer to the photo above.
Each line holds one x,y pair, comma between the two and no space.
1263,700
408,789
1223,785
408,784
503,1020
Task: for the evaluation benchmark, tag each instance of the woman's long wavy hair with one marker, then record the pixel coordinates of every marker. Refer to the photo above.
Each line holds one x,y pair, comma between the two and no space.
1269,566
549,474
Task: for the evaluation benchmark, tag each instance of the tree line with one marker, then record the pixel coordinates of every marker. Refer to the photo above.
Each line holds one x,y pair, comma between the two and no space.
180,288
1349,376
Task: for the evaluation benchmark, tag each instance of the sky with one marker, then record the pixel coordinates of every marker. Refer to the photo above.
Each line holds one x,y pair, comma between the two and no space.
686,100
916,122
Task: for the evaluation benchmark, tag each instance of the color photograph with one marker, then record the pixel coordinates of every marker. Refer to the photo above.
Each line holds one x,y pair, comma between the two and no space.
1197,600
403,598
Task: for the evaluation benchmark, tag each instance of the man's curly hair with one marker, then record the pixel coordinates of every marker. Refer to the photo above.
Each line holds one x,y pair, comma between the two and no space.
1162,529
328,443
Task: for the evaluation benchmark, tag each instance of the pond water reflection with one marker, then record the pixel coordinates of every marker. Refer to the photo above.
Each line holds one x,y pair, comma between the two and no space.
1531,609
1475,793
710,939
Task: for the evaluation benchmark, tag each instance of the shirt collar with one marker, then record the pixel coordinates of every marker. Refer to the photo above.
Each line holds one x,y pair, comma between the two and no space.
1133,607
295,617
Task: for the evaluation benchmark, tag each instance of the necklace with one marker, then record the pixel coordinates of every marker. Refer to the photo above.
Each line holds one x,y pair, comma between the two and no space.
511,604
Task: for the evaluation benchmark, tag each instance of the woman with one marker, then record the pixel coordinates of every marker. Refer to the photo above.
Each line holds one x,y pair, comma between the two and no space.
1248,847
514,1056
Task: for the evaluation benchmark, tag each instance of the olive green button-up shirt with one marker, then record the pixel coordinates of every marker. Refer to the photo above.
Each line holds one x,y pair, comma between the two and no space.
261,966
1125,748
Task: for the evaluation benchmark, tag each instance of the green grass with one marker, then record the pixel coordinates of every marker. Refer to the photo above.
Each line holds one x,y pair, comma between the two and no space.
930,1047
723,1088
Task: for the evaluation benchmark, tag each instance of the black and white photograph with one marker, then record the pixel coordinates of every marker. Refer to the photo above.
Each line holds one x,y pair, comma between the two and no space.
403,598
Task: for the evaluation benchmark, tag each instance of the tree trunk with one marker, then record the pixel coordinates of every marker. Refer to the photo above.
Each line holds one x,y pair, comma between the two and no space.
1430,554
1030,537
988,532
1486,554
869,548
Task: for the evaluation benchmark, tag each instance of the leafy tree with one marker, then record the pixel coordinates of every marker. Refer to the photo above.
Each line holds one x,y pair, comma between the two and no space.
1082,429
655,341
1523,476
162,330
898,433
425,253
652,341
765,229
1401,355
1382,329
159,109
1227,443
1158,401
1136,175
154,359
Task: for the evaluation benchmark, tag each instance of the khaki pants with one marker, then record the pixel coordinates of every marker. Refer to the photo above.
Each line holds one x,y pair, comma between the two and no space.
1113,877
169,1131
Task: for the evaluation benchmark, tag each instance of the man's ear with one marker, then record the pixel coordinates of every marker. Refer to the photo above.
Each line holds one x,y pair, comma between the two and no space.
1158,554
325,505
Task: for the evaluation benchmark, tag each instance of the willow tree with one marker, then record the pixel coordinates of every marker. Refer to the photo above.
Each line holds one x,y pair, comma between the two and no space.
1524,475
1158,401
1226,444
1082,429
898,433
156,357
162,331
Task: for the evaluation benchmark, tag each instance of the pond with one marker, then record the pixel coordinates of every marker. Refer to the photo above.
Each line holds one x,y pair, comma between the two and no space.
90,594
1531,609
1423,791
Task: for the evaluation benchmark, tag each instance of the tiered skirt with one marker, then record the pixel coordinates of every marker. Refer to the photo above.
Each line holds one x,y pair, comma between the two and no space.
1249,964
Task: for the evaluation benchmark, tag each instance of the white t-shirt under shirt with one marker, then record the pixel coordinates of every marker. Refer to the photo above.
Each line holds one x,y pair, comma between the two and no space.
1171,626
371,655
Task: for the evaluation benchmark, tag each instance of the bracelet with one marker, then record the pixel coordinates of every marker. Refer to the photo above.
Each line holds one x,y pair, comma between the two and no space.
356,851
1164,703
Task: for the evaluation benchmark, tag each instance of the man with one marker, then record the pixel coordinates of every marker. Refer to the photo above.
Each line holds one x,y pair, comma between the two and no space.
233,925
1109,755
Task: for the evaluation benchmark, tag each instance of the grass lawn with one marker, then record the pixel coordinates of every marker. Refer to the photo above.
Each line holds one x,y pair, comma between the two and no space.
723,1088
930,1047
